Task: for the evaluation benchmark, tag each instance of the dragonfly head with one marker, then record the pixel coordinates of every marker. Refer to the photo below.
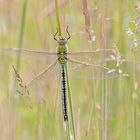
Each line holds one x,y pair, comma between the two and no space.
62,41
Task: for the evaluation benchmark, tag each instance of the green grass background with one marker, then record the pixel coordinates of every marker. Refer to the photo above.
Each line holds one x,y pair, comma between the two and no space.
103,109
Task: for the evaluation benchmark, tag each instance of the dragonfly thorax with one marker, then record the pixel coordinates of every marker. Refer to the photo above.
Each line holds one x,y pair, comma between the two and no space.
62,53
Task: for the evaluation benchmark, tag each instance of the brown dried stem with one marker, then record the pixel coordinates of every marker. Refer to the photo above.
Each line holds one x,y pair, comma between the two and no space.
87,19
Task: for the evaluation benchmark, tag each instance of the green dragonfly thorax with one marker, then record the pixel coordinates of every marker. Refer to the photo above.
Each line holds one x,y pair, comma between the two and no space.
62,50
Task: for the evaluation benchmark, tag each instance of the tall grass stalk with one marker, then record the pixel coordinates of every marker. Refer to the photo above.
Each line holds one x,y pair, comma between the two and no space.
70,103
89,34
20,45
67,79
135,84
67,131
93,112
105,102
57,17
21,34
134,97
21,37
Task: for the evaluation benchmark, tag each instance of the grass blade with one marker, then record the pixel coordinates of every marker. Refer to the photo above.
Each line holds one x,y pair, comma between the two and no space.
70,103
21,34
57,17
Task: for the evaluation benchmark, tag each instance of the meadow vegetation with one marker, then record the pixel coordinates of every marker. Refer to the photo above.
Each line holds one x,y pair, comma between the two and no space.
107,109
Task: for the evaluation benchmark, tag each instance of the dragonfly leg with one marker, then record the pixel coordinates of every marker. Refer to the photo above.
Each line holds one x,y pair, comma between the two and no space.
54,37
69,36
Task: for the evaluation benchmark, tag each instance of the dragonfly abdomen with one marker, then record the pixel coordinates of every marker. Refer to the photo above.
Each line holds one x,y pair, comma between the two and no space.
64,97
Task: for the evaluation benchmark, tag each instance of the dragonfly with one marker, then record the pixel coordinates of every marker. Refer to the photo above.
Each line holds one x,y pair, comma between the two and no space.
87,63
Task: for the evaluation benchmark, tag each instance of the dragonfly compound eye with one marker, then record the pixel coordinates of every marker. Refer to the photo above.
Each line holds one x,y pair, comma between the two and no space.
62,41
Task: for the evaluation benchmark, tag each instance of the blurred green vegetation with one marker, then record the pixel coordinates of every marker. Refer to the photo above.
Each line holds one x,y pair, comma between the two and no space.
103,109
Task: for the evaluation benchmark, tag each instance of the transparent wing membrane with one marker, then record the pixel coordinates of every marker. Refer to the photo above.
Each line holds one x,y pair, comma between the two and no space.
93,56
41,85
98,64
30,53
32,61
45,76
92,71
99,55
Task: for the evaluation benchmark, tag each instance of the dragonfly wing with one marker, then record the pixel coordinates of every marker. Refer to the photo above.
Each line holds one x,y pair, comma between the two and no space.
45,73
92,71
44,78
42,84
33,61
93,56
29,53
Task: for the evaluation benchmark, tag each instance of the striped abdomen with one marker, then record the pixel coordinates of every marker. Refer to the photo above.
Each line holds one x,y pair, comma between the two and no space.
64,97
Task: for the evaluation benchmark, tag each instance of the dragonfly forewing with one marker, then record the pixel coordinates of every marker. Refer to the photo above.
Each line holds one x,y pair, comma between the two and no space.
100,55
30,53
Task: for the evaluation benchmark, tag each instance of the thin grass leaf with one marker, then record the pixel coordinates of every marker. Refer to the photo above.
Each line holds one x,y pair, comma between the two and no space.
21,34
70,103
57,17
